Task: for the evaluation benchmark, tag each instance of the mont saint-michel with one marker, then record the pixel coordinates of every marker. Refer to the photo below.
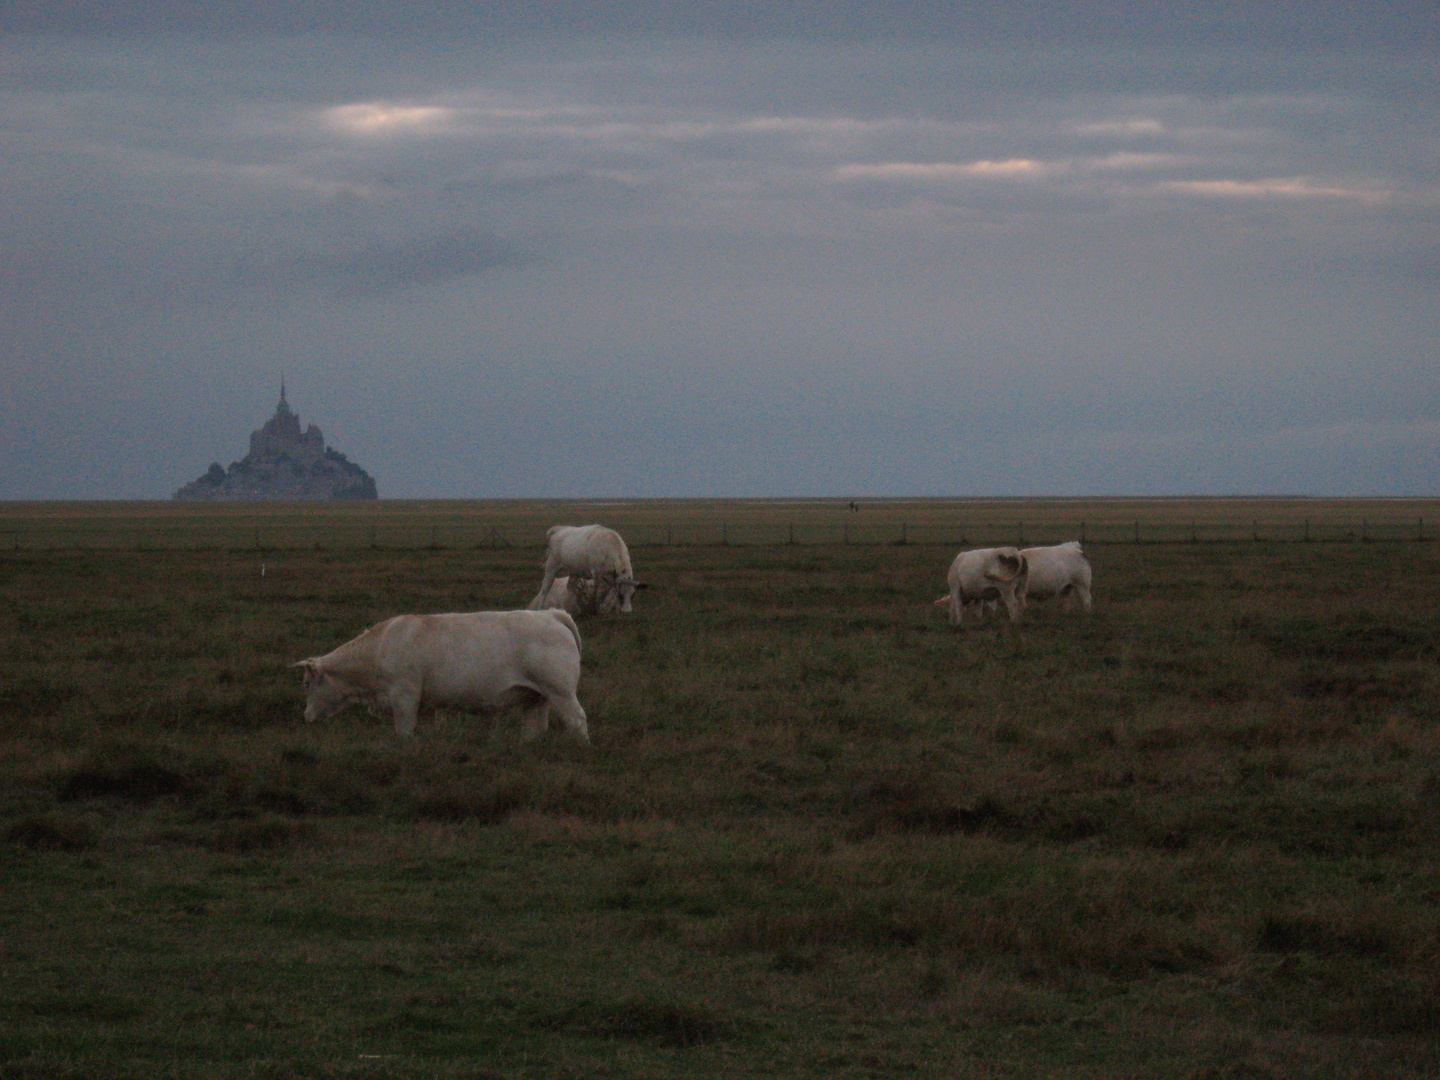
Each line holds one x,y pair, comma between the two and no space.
284,464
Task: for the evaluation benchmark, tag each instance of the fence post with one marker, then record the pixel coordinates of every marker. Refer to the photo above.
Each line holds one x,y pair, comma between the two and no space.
1082,532
1364,529
1420,529
791,539
903,539
1020,533
668,540
1255,530
724,534
1307,530
1137,531
846,527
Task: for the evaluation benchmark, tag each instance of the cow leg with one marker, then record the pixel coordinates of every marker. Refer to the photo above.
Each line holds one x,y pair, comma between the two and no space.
607,591
976,606
957,608
552,571
535,722
573,715
404,703
405,718
1012,605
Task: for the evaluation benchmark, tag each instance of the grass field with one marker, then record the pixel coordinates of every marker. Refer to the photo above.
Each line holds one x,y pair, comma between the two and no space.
763,522
818,833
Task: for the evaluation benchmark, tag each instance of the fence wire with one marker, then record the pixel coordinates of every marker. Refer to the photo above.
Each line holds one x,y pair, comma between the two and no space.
478,535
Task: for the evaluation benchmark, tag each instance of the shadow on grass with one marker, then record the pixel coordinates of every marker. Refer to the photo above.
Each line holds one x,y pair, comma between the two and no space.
641,1019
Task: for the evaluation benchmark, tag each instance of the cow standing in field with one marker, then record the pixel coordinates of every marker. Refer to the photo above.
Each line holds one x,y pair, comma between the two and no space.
983,576
588,550
1061,570
482,661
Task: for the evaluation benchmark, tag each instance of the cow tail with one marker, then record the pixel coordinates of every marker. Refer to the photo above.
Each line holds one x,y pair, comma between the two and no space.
564,617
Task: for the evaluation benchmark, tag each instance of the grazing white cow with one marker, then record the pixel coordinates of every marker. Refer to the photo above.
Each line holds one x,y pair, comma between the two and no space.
582,596
1061,570
481,660
985,574
590,550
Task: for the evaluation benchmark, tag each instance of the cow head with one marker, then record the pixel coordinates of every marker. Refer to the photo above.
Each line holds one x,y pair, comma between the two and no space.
323,692
614,592
625,588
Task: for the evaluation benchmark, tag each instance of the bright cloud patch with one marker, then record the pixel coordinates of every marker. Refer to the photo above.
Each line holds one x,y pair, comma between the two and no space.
378,118
1003,170
1285,188
926,172
1123,129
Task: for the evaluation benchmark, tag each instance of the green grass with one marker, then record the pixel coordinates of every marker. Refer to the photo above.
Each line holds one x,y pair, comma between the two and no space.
503,523
818,833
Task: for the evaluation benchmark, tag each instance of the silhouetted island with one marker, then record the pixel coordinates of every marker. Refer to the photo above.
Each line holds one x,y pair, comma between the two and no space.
284,464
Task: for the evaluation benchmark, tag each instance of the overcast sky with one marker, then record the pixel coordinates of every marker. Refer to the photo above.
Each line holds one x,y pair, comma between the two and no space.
725,248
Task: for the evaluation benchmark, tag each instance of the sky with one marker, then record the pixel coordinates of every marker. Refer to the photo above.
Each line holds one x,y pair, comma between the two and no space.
723,249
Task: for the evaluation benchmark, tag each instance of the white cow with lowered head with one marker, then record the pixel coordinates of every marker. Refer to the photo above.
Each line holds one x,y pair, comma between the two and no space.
591,550
985,575
1060,570
481,660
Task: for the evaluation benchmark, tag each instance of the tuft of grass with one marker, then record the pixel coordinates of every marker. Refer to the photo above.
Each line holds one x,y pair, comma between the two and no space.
49,833
657,1020
909,802
486,801
122,771
244,837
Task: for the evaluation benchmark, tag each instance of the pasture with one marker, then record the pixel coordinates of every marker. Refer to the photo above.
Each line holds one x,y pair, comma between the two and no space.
818,832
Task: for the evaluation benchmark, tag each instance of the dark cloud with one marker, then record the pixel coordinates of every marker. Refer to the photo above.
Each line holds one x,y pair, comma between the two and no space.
376,268
1343,24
